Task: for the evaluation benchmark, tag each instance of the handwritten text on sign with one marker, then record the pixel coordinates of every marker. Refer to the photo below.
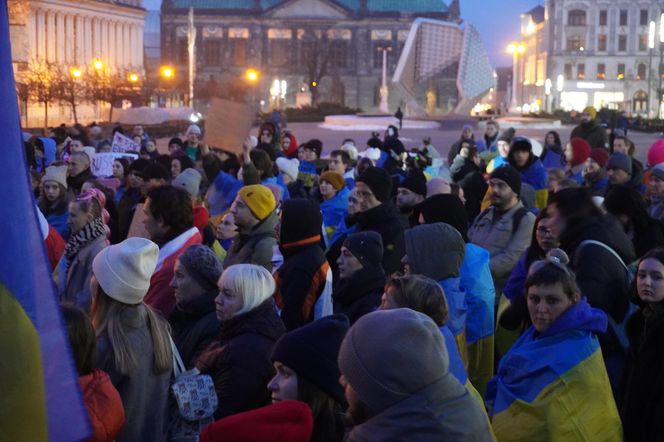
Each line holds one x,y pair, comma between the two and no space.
102,163
123,144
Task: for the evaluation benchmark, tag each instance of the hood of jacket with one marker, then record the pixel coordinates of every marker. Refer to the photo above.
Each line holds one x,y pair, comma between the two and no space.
263,320
605,229
435,250
103,404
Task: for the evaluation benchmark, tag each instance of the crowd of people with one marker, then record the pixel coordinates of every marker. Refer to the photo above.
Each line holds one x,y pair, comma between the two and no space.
512,292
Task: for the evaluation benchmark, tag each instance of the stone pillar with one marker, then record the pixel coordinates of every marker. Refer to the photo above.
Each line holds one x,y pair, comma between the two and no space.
32,35
70,56
50,36
89,49
112,46
60,38
80,41
138,46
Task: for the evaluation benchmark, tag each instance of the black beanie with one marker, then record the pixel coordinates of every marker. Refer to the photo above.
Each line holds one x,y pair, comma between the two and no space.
375,142
379,181
395,145
521,144
300,219
314,144
510,176
416,182
157,171
312,350
367,247
445,208
507,135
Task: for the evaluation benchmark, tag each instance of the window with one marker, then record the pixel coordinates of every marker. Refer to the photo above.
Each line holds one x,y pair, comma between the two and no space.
339,53
643,17
602,17
601,42
581,71
238,51
622,43
601,71
621,71
568,71
183,53
212,52
623,17
643,42
308,50
575,43
641,71
279,52
576,17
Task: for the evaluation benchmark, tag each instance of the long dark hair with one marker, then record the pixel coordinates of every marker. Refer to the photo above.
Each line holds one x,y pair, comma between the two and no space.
575,205
556,138
327,412
657,254
535,252
81,337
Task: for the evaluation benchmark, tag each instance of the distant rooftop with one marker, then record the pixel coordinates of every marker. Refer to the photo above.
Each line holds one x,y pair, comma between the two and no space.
537,13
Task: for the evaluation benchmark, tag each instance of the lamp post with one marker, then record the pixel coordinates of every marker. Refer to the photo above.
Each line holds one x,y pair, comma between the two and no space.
515,49
252,76
383,107
167,73
659,68
651,46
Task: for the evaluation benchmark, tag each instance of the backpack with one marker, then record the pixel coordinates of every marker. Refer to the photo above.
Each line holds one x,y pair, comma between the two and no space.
516,219
618,328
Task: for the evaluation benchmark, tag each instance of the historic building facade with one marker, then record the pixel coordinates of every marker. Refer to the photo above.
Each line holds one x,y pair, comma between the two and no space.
599,55
75,33
334,48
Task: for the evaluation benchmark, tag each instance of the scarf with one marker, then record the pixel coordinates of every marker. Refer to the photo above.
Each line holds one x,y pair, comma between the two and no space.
83,237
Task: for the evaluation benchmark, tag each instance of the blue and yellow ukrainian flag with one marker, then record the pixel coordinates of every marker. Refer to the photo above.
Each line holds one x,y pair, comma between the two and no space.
554,387
39,394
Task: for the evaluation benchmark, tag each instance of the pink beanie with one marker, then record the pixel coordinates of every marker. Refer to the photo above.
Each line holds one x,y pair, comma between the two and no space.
656,153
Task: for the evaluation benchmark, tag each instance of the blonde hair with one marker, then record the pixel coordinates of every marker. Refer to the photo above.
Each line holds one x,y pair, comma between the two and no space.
108,319
254,284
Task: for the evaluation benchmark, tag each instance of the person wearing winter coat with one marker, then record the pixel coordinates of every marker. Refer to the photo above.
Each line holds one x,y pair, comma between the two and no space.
88,237
590,130
552,156
466,162
101,399
238,358
476,281
656,192
532,171
359,287
289,170
621,170
256,219
54,199
499,158
169,223
410,192
467,137
436,251
505,228
78,171
305,365
133,345
601,276
642,398
304,280
334,202
629,207
560,390
576,153
377,213
395,371
131,197
194,321
594,172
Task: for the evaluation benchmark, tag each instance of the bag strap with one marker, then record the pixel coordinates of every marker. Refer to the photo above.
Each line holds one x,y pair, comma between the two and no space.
605,247
178,365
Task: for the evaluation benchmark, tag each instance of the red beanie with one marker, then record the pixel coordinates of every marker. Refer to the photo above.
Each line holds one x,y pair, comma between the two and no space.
656,153
287,421
581,150
600,156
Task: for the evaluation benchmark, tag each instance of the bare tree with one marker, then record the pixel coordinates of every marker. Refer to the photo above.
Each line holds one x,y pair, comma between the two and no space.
315,56
71,87
111,87
42,83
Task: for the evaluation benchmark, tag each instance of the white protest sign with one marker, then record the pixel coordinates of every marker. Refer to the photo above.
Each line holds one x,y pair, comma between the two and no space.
123,144
102,163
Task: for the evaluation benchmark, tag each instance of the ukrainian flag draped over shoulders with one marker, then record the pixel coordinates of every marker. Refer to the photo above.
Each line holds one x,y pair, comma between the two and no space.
39,395
553,386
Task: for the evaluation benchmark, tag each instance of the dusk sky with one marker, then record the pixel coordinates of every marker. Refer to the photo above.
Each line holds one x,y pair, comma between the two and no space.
496,20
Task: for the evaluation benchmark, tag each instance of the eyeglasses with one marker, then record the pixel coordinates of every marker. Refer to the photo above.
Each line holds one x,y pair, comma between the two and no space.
544,231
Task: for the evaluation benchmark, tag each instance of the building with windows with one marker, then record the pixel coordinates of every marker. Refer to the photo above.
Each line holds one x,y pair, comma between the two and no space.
598,54
527,90
74,34
333,49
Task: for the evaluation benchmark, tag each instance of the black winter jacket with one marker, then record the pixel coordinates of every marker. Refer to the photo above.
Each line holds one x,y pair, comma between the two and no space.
239,359
194,326
360,294
384,219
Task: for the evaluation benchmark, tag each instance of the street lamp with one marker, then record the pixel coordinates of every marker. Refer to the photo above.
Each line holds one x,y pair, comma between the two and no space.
384,108
133,78
515,49
659,70
167,72
98,64
75,73
252,75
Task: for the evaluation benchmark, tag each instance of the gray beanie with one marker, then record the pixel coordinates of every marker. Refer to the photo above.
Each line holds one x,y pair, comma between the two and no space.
658,171
202,265
620,161
388,355
190,180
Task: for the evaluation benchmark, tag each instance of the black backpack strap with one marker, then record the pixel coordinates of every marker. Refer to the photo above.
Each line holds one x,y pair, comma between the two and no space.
516,219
